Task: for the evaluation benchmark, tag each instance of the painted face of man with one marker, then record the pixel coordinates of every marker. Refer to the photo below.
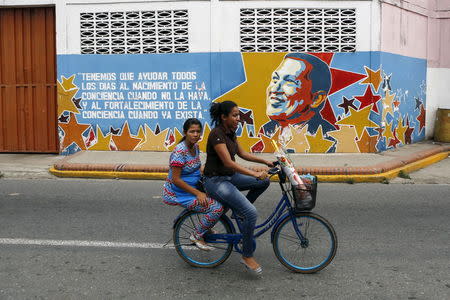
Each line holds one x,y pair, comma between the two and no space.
289,96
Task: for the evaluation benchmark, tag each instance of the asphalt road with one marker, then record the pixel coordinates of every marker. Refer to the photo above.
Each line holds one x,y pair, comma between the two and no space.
393,244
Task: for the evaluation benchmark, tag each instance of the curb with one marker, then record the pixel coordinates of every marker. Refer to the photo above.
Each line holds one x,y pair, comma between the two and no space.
378,173
382,177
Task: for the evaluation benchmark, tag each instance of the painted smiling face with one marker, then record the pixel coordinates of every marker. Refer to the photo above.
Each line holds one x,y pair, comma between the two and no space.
289,96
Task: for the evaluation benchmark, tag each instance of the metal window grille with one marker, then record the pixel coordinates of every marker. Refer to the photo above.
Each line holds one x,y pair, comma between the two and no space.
133,32
298,29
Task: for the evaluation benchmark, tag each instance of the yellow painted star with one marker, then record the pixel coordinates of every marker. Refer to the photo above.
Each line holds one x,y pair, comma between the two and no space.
298,143
153,142
67,83
268,146
387,104
317,142
126,141
373,77
65,102
367,143
388,134
141,135
401,130
102,141
178,137
73,133
346,139
359,119
246,141
252,93
204,140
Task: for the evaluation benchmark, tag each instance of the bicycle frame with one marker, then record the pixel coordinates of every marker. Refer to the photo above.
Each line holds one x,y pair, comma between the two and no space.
283,210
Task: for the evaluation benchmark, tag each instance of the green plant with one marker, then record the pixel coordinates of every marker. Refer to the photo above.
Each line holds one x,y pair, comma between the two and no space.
403,174
351,181
385,180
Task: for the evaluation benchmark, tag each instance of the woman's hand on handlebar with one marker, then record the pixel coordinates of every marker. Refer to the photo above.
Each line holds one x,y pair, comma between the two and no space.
269,164
261,175
202,199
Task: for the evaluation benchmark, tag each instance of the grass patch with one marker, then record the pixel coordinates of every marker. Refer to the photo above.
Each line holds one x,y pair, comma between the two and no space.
403,174
385,180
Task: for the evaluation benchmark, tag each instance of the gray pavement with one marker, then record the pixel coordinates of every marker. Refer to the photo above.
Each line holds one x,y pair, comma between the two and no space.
438,173
25,165
393,244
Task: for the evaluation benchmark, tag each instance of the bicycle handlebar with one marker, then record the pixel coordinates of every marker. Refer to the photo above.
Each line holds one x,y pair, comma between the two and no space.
275,169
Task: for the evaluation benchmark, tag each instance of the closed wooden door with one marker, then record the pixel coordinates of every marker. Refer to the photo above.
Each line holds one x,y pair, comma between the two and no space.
28,80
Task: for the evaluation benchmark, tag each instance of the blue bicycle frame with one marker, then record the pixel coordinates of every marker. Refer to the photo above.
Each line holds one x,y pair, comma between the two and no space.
283,210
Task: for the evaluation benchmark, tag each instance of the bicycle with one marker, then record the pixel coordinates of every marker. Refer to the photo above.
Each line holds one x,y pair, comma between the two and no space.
309,231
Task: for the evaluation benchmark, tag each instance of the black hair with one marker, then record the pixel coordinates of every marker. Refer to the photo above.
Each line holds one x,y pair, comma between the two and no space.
187,124
219,109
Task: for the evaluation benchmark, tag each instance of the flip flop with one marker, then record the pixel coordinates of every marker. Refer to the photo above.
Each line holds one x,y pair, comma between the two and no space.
258,271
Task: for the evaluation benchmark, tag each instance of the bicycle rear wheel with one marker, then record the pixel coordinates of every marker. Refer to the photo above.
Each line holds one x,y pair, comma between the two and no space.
190,253
312,254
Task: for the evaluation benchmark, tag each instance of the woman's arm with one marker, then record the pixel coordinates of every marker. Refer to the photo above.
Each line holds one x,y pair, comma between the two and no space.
250,157
176,177
224,155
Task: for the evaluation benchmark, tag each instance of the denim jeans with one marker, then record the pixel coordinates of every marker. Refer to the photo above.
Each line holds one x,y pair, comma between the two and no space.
226,189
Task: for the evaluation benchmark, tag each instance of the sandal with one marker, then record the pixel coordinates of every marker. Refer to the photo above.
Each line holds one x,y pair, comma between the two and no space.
258,271
200,243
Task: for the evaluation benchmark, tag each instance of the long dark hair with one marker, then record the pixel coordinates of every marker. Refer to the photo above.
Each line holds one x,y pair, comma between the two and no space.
187,124
219,109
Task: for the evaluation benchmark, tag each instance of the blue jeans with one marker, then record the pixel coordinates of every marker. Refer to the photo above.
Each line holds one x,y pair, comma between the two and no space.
226,189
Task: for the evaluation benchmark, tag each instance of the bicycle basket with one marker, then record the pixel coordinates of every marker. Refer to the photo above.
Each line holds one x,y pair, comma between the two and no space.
305,196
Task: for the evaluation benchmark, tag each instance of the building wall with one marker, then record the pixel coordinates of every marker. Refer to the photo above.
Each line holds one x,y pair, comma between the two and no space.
369,120
370,81
421,28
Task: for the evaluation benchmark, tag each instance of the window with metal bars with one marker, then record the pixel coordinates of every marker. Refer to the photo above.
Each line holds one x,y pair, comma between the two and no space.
133,32
298,29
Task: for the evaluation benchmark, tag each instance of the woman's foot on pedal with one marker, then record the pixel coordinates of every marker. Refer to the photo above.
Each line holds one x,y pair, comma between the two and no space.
200,243
251,265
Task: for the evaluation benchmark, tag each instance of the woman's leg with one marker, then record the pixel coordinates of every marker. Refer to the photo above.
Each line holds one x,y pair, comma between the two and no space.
224,191
212,214
254,186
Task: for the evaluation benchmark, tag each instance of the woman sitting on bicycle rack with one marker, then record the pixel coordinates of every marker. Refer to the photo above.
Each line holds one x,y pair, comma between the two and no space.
181,186
224,178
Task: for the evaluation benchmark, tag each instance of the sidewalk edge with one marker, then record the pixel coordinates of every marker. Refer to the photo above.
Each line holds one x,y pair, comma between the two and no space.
379,177
108,174
382,177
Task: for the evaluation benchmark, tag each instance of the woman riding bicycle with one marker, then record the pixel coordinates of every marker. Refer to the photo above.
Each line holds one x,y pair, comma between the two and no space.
224,178
181,186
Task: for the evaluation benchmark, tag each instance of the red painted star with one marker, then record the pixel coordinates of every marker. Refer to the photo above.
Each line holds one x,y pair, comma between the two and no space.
396,103
395,141
421,118
368,99
346,103
245,117
408,132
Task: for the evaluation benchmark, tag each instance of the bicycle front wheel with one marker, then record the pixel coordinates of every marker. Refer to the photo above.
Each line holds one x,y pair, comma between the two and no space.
314,252
193,255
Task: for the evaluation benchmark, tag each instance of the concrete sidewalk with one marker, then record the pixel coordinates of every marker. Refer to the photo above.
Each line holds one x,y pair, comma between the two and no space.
347,167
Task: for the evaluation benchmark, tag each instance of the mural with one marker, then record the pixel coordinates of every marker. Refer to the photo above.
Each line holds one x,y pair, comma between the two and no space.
308,102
